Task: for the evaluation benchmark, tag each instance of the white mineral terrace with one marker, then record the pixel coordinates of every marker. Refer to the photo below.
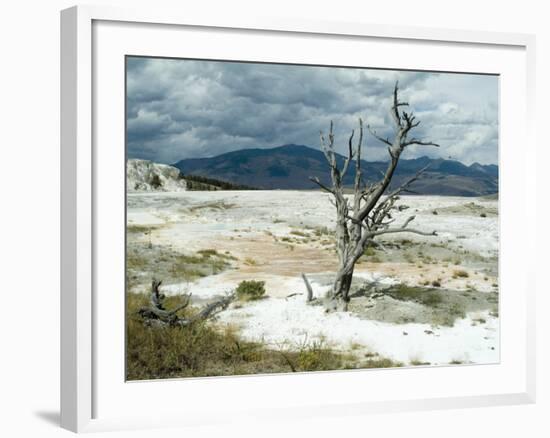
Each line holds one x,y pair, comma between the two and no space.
250,225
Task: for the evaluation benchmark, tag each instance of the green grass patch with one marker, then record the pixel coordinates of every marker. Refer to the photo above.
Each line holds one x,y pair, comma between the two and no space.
190,267
299,233
208,253
419,295
135,262
322,231
144,262
416,362
370,251
381,362
457,311
248,290
140,229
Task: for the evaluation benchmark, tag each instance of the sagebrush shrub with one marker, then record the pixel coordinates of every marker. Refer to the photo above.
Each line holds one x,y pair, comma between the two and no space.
250,290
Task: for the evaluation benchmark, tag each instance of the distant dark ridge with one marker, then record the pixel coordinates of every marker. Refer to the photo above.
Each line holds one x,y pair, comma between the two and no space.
290,167
197,182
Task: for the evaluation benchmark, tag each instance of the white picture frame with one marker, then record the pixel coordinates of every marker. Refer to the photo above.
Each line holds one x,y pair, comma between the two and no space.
81,368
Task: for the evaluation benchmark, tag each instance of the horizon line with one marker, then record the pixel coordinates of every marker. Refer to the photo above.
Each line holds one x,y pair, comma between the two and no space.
128,157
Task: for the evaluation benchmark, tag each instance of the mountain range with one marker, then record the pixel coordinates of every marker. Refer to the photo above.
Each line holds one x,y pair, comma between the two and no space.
290,167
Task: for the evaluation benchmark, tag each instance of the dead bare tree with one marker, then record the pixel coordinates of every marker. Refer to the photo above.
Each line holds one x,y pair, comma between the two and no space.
157,314
367,213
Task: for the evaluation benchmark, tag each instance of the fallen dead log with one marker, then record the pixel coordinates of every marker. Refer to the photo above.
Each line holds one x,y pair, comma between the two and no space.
157,314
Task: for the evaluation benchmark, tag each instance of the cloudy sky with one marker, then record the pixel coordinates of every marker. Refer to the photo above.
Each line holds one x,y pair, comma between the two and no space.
188,109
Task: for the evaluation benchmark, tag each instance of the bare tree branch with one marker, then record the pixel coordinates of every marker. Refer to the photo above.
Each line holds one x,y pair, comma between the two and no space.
408,221
396,104
350,154
382,139
406,184
421,143
402,230
183,305
357,184
320,184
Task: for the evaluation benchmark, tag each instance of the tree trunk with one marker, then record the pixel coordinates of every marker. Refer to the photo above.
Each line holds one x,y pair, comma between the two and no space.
337,297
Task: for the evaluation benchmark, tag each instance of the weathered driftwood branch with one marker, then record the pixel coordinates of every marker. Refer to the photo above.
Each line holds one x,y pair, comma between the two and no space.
157,314
309,297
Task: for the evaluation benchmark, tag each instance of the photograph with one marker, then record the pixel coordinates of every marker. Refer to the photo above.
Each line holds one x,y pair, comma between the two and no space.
289,218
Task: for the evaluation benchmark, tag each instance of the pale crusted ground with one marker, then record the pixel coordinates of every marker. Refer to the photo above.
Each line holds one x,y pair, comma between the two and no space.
276,235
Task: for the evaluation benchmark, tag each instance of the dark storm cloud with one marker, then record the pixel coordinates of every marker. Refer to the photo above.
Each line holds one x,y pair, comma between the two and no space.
182,109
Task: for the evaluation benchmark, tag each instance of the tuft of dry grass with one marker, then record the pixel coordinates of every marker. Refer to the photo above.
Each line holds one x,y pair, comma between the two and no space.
460,273
140,229
299,233
417,362
249,261
381,362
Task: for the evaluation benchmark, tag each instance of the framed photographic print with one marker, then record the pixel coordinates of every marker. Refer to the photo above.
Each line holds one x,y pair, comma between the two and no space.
257,209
